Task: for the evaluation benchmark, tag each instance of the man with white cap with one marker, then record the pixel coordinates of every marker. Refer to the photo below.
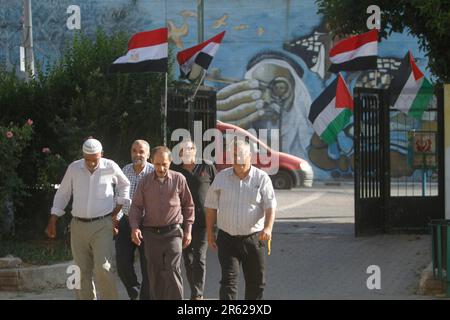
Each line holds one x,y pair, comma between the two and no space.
90,180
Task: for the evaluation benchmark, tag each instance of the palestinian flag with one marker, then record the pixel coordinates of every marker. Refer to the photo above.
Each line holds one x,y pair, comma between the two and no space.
331,111
201,54
410,90
358,52
147,52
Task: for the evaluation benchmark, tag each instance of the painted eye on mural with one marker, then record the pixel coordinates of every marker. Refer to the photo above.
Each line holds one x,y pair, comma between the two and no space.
280,88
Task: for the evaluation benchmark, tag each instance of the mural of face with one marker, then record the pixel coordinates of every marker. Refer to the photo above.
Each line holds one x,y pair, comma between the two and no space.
277,87
271,96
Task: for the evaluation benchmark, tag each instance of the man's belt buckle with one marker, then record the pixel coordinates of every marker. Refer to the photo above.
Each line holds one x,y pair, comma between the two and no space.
164,230
92,219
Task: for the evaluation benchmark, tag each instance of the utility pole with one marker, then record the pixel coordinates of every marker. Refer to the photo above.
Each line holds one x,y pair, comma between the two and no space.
27,40
200,38
200,21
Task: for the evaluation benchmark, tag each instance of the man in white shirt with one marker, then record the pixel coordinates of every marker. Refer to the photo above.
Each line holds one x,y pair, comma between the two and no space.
241,200
90,180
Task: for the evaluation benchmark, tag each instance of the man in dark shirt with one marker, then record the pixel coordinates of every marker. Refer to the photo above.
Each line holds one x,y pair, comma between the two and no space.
199,176
164,197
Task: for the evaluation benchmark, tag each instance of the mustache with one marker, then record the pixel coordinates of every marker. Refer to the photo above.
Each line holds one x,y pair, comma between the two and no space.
138,161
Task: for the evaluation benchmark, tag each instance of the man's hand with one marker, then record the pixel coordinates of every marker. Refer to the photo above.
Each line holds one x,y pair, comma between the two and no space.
187,238
212,241
51,227
265,234
115,225
136,236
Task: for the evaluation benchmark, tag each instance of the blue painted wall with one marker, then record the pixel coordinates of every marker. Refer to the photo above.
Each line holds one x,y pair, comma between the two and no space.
265,39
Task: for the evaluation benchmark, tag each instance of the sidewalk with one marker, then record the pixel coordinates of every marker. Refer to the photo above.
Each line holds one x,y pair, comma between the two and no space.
308,264
316,256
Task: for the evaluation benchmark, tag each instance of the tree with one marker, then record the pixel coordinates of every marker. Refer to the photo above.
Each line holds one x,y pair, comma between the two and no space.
72,99
428,20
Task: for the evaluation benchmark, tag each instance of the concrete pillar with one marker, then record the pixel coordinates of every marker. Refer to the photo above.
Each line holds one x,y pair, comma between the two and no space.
27,39
447,148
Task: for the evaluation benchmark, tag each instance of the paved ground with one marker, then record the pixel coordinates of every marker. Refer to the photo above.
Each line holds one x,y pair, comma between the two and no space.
316,256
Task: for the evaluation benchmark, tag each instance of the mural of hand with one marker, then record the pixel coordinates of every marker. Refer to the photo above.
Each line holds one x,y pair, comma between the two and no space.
337,158
241,103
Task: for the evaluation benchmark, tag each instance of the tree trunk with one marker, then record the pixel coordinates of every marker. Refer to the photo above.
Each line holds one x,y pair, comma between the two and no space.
7,221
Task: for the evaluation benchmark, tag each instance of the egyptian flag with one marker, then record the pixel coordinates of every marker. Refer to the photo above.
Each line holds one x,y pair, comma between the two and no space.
147,52
410,90
331,111
358,52
201,54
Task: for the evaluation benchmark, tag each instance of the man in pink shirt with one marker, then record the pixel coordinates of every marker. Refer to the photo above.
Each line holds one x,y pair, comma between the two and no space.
162,204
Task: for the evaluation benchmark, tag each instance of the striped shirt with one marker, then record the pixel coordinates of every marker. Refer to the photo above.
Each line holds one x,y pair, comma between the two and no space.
240,203
134,178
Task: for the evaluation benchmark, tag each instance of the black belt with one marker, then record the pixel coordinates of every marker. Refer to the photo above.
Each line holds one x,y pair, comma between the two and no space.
162,230
239,236
91,219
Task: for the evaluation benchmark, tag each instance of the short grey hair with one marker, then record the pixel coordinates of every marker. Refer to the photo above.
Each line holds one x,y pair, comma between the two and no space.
159,149
142,143
240,144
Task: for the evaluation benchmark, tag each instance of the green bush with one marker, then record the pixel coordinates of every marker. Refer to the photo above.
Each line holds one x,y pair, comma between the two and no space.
13,140
69,101
37,252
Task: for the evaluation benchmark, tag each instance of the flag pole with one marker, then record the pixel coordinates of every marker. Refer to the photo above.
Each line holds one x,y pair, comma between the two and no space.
165,111
165,80
198,86
376,78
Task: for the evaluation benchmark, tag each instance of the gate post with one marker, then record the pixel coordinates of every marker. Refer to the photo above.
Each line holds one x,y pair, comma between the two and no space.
447,148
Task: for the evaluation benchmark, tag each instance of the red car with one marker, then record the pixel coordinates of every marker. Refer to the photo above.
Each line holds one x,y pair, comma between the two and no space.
291,170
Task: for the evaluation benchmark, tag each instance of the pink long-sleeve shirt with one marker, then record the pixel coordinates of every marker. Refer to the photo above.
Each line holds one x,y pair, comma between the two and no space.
159,204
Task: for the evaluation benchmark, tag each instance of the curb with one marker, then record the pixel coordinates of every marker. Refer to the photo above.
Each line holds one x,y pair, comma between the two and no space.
15,277
428,285
34,278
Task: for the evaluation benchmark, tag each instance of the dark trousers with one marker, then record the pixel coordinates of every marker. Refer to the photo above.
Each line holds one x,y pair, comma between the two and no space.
195,261
163,252
248,251
125,253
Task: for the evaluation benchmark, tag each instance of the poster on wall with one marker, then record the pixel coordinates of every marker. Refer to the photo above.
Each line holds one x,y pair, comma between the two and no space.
423,145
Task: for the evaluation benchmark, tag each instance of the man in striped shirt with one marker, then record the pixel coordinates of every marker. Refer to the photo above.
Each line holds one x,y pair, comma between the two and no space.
125,248
242,202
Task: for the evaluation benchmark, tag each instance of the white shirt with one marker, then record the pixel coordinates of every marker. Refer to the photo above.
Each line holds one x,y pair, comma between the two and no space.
240,203
93,194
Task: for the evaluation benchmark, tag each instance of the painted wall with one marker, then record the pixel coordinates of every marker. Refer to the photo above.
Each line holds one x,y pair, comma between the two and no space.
271,66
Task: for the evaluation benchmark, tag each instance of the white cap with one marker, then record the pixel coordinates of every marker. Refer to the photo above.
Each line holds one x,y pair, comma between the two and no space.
92,146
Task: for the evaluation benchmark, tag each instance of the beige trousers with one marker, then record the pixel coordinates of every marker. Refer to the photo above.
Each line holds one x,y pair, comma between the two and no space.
92,248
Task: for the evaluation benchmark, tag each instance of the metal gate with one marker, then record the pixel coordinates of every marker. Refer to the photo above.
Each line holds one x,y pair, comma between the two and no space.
393,193
182,111
371,167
